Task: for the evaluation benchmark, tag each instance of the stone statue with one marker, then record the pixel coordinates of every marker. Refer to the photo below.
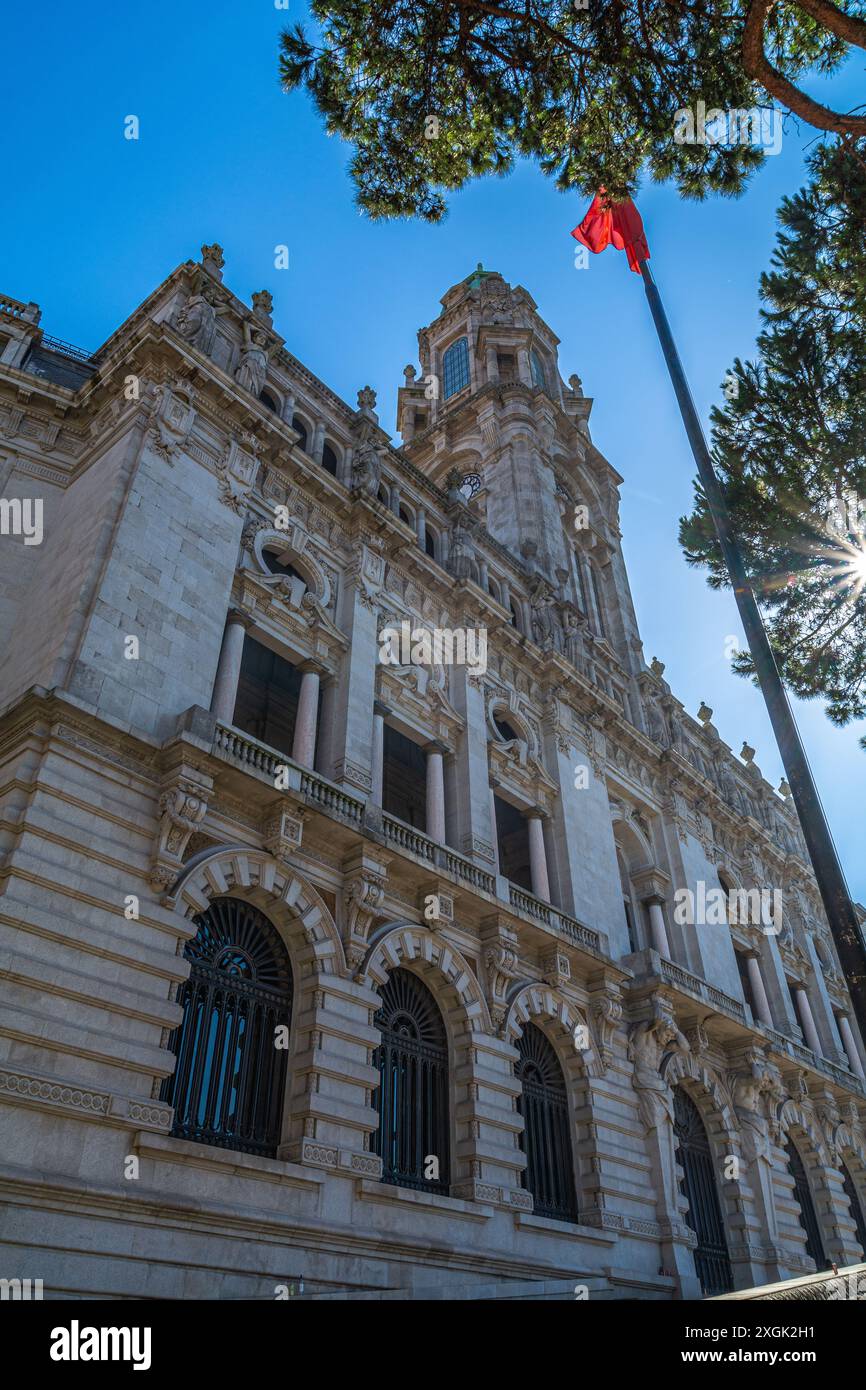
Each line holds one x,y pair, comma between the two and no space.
747,1090
461,553
196,321
573,639
647,1046
541,605
253,367
366,469
728,786
658,729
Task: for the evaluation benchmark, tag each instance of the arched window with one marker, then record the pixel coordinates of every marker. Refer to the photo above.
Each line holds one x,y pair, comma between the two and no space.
300,428
537,369
493,589
412,1096
430,542
506,731
546,1138
712,1265
856,1209
515,616
455,368
329,460
268,401
582,602
803,1197
599,606
229,1081
278,566
628,903
406,515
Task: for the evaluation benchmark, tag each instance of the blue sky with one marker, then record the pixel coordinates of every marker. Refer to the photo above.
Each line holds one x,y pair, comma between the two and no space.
93,222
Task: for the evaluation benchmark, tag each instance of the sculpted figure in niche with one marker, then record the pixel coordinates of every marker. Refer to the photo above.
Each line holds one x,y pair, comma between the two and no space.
253,366
658,729
461,553
573,639
545,629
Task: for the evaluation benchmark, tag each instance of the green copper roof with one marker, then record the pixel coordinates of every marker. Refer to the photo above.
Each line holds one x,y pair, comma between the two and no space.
478,274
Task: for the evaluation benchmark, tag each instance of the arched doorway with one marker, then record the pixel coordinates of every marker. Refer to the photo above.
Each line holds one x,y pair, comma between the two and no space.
412,1096
694,1155
546,1138
803,1197
229,1081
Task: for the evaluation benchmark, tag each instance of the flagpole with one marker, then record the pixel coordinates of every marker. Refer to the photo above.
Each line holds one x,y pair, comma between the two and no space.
841,914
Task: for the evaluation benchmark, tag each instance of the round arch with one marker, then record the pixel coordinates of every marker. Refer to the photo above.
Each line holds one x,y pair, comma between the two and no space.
317,580
293,905
441,965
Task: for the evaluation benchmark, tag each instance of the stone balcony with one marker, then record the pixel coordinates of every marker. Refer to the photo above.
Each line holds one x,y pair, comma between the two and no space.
650,967
247,755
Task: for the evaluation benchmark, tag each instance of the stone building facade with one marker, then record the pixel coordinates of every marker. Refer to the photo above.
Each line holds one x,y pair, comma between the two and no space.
360,976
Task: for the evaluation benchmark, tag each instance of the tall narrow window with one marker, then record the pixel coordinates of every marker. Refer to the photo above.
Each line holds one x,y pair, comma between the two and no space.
537,369
455,368
856,1209
712,1264
300,428
412,1096
228,1084
808,1215
599,606
546,1138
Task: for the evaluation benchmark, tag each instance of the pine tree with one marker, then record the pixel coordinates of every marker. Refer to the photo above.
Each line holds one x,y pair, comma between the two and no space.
789,444
432,93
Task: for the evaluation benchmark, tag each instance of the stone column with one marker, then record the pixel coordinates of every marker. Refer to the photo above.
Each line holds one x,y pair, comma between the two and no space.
850,1045
324,751
658,930
759,994
538,856
807,1022
225,688
304,743
492,362
421,527
524,370
318,443
435,792
380,712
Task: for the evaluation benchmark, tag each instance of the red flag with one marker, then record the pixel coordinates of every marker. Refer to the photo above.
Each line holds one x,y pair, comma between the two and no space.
619,223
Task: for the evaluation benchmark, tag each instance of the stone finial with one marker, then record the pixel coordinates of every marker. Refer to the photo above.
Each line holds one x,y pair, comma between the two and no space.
263,303
409,374
747,753
657,667
705,714
213,260
367,401
31,313
576,385
784,788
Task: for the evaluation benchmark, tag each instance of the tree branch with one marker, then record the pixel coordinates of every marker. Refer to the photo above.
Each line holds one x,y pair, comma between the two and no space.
758,66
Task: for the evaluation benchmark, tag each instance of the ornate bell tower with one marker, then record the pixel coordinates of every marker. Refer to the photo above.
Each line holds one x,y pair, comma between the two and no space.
489,400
